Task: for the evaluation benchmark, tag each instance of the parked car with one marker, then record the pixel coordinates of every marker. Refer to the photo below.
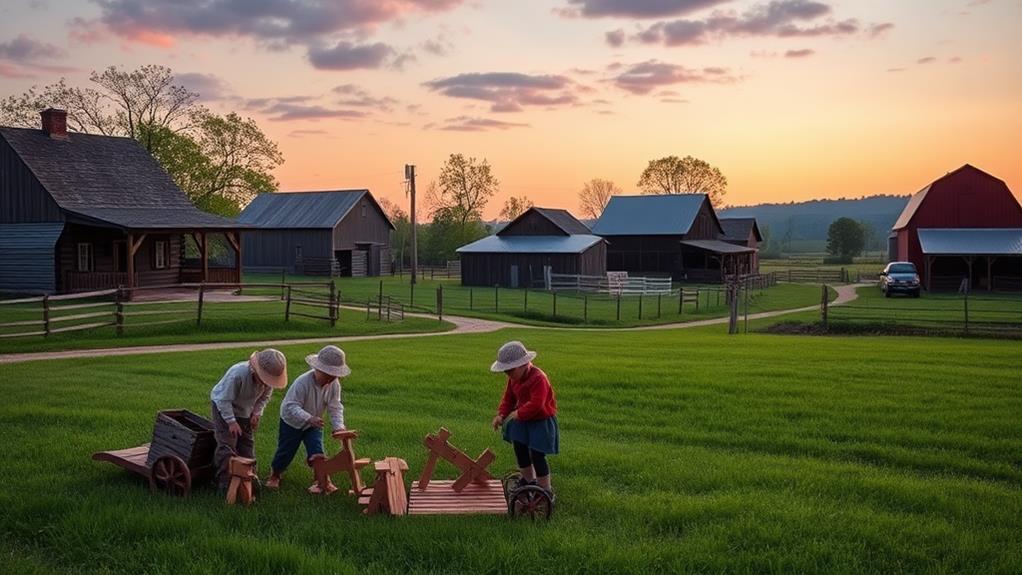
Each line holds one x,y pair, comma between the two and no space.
900,277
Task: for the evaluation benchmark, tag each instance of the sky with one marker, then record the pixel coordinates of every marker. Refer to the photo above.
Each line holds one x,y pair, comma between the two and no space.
790,99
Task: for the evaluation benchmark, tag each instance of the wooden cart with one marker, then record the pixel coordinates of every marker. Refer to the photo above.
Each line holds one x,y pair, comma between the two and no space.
179,455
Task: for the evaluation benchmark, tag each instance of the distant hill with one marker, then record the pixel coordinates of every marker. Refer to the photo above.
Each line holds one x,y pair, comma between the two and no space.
805,223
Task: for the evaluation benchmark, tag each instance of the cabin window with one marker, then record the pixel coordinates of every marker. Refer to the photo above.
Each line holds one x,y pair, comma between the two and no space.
365,210
298,253
160,255
85,260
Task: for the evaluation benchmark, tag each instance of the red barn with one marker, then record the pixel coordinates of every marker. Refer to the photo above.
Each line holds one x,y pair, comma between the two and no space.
966,224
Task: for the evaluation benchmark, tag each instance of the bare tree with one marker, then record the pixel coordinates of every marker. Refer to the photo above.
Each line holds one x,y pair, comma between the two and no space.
688,175
86,108
461,192
594,196
515,207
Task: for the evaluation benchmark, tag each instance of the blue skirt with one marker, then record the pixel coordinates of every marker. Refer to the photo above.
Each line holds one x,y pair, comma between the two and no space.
539,435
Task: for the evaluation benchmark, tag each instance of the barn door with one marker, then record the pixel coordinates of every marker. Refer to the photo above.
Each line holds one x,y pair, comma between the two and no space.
514,276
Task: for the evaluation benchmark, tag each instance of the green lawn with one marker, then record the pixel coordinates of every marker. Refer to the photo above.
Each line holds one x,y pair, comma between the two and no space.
221,322
573,309
682,451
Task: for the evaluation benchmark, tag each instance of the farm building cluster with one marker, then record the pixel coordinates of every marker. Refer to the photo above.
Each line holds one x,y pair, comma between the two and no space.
83,212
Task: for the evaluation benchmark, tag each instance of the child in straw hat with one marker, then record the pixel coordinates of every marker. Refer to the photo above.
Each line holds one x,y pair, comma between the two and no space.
239,399
527,412
311,393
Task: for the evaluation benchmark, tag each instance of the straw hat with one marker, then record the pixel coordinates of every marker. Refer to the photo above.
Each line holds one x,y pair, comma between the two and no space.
330,360
271,367
511,355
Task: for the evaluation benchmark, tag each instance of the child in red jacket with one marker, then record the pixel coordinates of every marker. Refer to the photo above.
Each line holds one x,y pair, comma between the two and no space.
528,412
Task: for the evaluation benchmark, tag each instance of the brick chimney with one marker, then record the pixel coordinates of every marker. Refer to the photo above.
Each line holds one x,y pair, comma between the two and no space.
55,123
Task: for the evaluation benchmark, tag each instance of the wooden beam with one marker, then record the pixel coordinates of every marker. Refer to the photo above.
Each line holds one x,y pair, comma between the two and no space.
131,261
232,237
135,245
236,242
204,248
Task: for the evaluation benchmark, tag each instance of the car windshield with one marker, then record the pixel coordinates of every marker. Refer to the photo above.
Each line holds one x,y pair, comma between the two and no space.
902,269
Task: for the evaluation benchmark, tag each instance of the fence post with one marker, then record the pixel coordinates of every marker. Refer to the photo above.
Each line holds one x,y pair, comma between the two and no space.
640,305
681,299
287,306
496,298
966,301
658,297
333,304
555,305
697,300
618,306
46,315
283,282
119,313
471,303
412,298
526,306
202,297
440,302
718,299
824,301
389,304
746,307
732,299
585,309
381,300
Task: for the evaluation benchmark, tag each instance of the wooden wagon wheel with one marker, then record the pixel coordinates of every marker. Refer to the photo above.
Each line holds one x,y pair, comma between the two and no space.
530,501
511,482
170,474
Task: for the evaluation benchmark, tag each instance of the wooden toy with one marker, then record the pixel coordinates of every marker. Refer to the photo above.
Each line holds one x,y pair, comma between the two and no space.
242,470
345,460
387,495
472,470
474,491
179,455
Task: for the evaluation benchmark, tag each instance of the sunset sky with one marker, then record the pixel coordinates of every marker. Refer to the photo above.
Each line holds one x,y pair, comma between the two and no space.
791,99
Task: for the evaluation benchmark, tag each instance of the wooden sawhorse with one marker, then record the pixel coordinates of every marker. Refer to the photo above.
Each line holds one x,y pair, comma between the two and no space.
324,467
472,470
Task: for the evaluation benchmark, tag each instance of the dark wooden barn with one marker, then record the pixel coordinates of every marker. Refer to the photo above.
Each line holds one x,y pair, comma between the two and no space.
966,224
743,232
80,212
674,235
538,242
341,232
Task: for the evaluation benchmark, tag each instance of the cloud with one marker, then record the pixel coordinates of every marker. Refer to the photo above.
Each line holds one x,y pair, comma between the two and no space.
24,49
326,28
955,60
474,124
802,53
439,46
355,96
348,56
895,70
778,18
508,91
290,108
209,87
615,37
645,77
927,60
303,133
878,30
635,8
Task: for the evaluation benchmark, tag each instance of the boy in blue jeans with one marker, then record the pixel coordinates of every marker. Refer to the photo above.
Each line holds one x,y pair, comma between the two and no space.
312,392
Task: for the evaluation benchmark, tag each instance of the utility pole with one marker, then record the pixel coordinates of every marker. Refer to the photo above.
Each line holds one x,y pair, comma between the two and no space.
410,178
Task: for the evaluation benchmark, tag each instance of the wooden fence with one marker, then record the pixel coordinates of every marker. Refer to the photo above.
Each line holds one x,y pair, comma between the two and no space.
110,308
813,275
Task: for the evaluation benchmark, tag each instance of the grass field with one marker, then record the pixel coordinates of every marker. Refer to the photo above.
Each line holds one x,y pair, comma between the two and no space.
682,451
537,307
250,321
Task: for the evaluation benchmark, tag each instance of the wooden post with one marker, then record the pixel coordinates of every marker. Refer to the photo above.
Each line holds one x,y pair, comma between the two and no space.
287,306
235,239
46,315
470,298
440,302
333,303
412,298
283,283
697,300
119,313
381,300
198,313
585,309
640,306
965,300
746,307
824,301
368,304
389,305
555,305
618,306
496,298
205,256
526,306
681,299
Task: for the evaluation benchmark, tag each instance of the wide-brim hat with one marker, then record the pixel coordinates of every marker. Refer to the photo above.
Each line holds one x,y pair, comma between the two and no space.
271,367
511,355
330,360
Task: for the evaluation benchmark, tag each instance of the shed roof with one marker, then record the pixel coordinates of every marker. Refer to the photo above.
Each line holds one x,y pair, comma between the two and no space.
303,209
971,241
573,244
738,229
649,215
564,220
718,246
919,197
114,179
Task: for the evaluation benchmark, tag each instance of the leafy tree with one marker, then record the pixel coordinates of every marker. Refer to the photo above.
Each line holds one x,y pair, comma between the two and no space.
845,239
445,235
688,175
594,197
515,207
461,192
220,162
401,238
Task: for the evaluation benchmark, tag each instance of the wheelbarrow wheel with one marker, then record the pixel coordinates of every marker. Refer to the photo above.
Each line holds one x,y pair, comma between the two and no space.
171,475
530,501
510,482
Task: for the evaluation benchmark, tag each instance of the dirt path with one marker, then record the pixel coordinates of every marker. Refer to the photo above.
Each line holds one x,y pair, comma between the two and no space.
845,294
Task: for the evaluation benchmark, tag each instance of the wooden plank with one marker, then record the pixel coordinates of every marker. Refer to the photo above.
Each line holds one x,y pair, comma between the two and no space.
81,327
79,316
131,459
82,305
19,323
22,300
83,295
26,334
164,322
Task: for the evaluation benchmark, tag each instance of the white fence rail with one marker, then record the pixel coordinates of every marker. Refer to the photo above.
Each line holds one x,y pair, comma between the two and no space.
613,285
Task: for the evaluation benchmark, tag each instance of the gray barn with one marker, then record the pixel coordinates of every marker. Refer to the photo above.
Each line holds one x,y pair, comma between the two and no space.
341,232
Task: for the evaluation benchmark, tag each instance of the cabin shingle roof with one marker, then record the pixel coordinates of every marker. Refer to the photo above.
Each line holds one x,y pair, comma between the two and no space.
738,229
107,178
649,215
302,210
